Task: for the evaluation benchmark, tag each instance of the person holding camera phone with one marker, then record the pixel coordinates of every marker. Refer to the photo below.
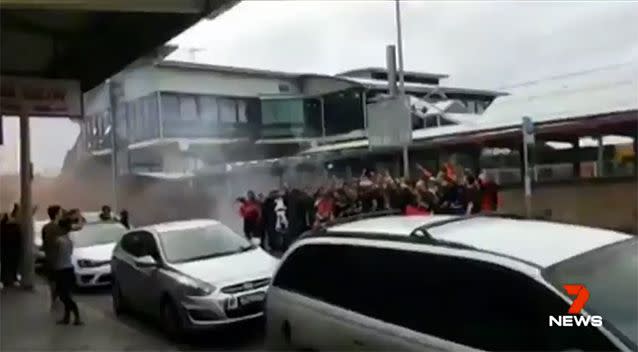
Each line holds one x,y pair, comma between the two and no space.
63,266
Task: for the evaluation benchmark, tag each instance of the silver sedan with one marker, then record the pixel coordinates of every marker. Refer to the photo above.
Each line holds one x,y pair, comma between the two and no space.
192,275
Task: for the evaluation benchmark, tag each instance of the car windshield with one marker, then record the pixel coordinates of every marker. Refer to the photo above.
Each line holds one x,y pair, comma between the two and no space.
609,274
96,234
201,243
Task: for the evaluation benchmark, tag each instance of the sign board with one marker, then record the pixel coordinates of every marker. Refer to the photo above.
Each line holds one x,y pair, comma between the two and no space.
389,122
528,130
40,97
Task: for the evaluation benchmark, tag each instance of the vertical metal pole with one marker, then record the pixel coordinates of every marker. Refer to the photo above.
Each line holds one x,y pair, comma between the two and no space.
114,166
160,118
527,180
406,157
364,106
600,161
391,64
399,46
323,118
635,137
26,206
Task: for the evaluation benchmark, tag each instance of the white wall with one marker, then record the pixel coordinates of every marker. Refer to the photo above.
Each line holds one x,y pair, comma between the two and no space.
175,162
139,82
96,100
201,82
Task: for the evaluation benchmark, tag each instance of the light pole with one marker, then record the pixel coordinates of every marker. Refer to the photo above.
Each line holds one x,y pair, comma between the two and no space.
397,13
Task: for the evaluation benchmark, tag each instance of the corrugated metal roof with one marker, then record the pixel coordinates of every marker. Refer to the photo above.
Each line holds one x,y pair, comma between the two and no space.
582,94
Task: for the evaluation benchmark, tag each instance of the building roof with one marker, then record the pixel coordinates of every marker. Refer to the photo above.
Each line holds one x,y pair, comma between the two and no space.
227,69
413,87
602,91
364,70
539,242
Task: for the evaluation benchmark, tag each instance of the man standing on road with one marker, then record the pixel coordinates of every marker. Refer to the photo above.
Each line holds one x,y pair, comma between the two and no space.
64,272
50,232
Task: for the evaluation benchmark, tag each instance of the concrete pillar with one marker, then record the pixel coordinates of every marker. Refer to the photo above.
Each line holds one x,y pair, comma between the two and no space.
26,204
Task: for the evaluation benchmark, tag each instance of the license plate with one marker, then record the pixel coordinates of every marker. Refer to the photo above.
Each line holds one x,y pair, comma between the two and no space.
251,298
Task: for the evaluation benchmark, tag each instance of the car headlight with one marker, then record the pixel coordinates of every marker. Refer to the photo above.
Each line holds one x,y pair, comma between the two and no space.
88,263
193,287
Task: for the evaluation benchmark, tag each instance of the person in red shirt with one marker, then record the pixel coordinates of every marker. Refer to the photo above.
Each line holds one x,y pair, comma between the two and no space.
489,193
324,207
250,211
416,206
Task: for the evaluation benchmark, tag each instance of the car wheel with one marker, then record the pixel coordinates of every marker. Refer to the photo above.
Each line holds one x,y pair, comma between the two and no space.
171,321
119,306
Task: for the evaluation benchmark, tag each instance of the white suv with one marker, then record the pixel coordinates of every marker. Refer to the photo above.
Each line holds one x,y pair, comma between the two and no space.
455,283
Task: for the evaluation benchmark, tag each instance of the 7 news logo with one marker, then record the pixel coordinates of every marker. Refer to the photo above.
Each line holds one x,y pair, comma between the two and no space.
576,319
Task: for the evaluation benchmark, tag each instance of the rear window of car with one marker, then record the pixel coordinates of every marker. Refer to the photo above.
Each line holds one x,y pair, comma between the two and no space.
610,274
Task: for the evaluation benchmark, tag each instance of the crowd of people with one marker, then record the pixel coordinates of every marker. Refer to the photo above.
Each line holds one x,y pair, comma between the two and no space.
281,216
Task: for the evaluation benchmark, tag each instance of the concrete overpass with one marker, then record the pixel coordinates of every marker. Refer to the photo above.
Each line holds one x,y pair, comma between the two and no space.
54,50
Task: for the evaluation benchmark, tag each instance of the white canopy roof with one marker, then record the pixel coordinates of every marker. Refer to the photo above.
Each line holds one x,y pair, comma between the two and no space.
606,90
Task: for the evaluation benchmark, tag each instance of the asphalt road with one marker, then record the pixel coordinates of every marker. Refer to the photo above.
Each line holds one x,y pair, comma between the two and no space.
244,337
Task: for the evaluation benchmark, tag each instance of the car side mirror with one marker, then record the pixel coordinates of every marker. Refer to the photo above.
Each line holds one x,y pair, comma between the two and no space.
146,262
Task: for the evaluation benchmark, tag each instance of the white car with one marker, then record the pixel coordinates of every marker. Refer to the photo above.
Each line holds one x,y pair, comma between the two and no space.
37,241
93,247
443,283
192,275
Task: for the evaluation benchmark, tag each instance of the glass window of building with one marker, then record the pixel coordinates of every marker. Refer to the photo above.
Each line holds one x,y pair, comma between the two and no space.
139,115
208,110
170,107
242,115
282,111
227,111
188,107
343,112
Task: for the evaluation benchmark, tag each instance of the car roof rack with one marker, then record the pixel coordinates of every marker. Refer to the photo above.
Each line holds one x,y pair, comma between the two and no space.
422,231
422,235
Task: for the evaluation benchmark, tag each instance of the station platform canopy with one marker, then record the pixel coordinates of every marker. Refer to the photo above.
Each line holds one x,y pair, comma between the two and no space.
87,41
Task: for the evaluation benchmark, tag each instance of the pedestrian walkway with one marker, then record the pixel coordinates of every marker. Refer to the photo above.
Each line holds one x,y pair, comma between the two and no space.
27,324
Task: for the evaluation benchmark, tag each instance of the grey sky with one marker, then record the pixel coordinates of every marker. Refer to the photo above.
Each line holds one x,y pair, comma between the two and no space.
480,44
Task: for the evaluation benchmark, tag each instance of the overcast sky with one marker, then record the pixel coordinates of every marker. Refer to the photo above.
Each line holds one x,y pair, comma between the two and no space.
479,44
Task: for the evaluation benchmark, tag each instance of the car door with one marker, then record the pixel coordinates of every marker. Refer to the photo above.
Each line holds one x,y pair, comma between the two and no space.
124,270
148,290
300,314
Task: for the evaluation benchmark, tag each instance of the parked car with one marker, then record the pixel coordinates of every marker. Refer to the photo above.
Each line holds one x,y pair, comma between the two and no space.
192,275
93,247
453,283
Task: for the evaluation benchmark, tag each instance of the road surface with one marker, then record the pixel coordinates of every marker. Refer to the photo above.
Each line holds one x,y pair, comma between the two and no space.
248,336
